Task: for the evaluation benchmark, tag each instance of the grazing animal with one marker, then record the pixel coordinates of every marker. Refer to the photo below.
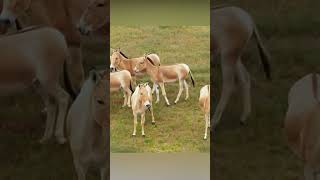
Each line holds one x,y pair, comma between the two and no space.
302,123
122,80
141,101
204,103
87,125
164,74
64,15
121,61
94,17
231,32
38,57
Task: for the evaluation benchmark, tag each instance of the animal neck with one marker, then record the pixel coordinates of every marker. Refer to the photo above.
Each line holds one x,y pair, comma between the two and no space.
125,64
151,70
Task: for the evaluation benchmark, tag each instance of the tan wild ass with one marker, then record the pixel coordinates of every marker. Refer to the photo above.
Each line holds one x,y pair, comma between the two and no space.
204,103
94,17
164,74
302,123
87,126
231,32
61,14
141,101
122,80
35,57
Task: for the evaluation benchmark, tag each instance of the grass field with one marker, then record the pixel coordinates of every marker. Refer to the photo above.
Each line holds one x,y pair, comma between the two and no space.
259,150
22,125
180,127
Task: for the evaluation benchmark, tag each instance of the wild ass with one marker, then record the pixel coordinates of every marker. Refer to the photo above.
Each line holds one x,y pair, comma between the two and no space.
35,57
141,101
204,103
302,123
164,74
122,80
233,28
87,126
120,61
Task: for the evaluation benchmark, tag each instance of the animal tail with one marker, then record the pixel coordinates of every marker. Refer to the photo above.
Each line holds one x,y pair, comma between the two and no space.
192,79
264,54
131,89
67,82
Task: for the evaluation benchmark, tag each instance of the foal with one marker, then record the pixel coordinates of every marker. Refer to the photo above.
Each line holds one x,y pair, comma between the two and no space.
141,101
122,79
204,103
163,74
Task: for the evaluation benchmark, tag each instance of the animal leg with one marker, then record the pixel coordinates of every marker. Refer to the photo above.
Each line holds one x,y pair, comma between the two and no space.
245,84
151,110
143,119
187,89
63,101
103,173
164,93
135,122
157,93
180,91
206,118
51,116
76,68
129,93
228,72
125,98
81,170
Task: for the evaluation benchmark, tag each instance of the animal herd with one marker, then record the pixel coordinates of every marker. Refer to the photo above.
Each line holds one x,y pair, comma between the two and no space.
124,72
232,29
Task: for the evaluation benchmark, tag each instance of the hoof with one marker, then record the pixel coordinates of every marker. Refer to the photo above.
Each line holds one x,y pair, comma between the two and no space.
133,135
175,102
61,140
205,138
153,122
143,135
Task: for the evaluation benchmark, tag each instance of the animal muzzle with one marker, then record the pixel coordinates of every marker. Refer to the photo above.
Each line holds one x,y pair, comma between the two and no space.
147,104
113,69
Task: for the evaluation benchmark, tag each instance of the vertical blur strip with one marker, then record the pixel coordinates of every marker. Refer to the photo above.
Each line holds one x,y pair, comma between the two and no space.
164,12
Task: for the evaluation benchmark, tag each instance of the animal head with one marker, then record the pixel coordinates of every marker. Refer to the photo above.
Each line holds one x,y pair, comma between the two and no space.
141,65
115,59
94,17
13,9
99,97
143,95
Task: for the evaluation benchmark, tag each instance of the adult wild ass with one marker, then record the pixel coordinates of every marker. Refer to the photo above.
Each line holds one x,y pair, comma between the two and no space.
61,14
204,103
302,123
233,28
87,126
141,101
164,74
122,80
120,61
35,57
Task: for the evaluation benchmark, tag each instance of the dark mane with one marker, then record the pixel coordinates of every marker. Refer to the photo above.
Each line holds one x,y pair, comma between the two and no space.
123,55
150,61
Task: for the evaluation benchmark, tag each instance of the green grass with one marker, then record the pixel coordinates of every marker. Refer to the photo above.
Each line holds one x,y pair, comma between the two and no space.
259,150
22,125
180,127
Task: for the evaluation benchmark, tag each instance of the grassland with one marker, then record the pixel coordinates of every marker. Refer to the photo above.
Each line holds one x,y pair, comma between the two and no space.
22,125
259,150
180,127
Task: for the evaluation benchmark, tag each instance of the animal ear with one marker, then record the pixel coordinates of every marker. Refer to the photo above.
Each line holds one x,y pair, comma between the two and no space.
146,84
